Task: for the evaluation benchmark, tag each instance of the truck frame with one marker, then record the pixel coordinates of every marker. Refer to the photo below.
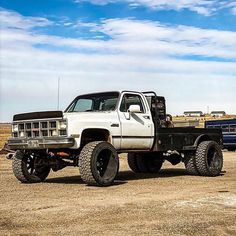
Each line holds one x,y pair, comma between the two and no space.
96,128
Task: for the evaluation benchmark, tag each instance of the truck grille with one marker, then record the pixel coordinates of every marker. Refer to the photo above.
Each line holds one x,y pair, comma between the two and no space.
37,129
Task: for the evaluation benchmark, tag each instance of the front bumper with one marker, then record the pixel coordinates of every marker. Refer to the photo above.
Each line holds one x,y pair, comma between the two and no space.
40,143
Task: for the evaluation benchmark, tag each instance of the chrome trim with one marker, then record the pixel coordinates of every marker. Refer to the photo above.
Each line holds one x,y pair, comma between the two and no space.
41,128
40,143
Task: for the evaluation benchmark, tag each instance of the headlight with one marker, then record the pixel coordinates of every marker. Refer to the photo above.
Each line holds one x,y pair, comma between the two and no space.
54,133
15,128
62,124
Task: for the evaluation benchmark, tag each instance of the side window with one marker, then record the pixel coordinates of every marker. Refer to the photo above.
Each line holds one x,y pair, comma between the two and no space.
83,105
225,128
209,126
233,128
131,99
108,104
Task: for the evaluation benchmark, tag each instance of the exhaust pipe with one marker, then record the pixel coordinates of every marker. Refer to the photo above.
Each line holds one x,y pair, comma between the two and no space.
9,156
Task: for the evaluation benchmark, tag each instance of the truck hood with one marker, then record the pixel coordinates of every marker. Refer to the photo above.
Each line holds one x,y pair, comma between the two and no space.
77,122
88,116
38,115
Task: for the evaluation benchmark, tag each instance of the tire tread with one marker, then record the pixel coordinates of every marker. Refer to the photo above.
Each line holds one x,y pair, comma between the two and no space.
18,168
88,171
190,164
85,163
201,158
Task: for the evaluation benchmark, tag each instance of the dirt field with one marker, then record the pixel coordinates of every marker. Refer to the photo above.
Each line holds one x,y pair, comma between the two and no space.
170,203
5,132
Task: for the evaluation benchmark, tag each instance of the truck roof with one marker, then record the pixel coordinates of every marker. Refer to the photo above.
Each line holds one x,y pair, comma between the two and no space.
115,91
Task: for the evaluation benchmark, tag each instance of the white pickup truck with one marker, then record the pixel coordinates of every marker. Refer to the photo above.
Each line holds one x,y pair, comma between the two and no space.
96,127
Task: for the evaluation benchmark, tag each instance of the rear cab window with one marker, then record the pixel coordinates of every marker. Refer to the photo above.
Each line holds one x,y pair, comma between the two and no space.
131,99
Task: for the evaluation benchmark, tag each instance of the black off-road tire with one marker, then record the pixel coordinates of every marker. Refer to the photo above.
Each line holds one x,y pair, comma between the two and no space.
132,162
98,163
20,167
209,158
142,163
189,162
154,162
145,162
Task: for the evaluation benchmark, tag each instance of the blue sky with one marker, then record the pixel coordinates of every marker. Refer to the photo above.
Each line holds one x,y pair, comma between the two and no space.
183,49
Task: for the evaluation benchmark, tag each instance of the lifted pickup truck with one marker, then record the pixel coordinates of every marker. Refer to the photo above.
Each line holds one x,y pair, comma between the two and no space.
96,127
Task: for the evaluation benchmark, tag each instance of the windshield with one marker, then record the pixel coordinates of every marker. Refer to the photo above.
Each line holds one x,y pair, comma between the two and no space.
94,102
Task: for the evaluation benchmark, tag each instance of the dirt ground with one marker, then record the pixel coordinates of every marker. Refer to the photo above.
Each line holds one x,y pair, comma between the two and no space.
170,203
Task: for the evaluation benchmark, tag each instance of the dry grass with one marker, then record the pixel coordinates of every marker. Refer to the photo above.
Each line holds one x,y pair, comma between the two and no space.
5,133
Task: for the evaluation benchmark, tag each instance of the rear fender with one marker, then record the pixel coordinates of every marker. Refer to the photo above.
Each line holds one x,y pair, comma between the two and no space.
201,138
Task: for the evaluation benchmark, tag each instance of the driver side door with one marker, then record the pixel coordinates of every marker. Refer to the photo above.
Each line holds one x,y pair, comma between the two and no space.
137,128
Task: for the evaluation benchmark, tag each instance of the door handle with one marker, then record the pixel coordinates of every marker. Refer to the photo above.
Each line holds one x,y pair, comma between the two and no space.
146,117
115,125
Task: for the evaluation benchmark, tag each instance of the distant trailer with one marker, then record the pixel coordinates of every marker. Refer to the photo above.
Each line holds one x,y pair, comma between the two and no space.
228,127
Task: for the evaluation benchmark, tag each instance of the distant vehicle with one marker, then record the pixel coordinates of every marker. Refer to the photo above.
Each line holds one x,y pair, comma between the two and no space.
228,127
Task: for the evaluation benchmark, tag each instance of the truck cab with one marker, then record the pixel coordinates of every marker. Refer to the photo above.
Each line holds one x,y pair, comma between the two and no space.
128,117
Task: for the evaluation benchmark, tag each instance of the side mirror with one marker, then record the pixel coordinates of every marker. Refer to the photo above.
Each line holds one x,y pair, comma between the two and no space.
134,109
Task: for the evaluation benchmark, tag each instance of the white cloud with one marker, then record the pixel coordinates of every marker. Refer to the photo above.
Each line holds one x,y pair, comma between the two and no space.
10,19
202,7
232,6
169,40
133,37
138,55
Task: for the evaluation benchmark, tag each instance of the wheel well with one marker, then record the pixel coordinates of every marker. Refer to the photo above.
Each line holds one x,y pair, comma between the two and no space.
90,135
202,138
